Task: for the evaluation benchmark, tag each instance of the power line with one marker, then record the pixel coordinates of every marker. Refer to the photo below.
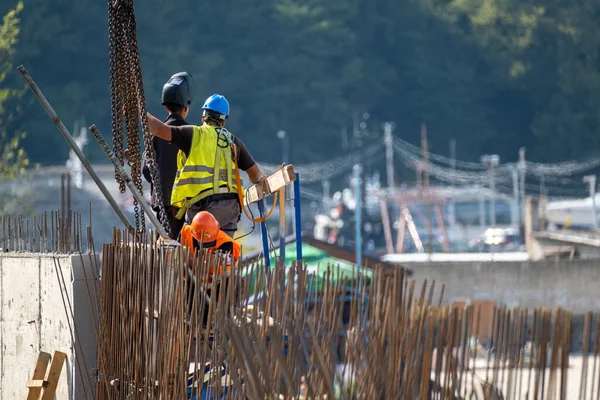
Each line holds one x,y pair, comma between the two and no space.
317,172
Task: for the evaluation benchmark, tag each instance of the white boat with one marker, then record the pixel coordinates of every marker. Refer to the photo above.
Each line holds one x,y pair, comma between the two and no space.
576,213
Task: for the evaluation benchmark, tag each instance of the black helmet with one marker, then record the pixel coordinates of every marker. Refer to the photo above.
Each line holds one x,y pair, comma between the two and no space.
179,89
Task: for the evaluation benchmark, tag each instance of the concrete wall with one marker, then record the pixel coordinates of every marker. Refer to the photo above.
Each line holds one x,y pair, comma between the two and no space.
33,318
570,284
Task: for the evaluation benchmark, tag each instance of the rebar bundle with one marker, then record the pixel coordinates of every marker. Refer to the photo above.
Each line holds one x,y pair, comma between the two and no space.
58,231
163,337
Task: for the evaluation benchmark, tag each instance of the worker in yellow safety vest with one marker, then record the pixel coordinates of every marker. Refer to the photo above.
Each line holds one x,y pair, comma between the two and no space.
208,165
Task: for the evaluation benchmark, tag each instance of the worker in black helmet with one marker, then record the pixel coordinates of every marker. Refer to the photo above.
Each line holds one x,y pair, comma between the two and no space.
177,96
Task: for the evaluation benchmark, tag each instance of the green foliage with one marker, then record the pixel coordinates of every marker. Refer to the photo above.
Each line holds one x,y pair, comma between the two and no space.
493,74
546,53
13,159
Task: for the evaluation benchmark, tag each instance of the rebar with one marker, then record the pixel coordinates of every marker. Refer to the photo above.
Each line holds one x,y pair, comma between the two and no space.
161,338
58,231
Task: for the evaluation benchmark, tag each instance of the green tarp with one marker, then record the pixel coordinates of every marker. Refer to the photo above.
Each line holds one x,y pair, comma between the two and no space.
318,263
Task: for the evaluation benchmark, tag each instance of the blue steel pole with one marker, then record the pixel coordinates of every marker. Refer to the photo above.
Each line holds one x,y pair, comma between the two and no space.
282,230
265,236
298,217
357,170
265,240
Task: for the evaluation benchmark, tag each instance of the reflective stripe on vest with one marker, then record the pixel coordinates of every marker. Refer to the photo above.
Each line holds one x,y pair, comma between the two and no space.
199,168
208,169
201,181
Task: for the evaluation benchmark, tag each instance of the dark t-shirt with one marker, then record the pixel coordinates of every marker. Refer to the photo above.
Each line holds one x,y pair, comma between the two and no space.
182,138
166,162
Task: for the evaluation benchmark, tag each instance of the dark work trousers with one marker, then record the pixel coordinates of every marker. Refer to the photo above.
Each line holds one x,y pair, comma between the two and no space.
226,211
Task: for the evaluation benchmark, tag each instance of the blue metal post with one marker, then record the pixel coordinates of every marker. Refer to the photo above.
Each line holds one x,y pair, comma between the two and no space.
282,230
357,195
298,217
265,236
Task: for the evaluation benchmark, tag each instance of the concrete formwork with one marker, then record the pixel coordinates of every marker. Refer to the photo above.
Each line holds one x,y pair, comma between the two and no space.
36,314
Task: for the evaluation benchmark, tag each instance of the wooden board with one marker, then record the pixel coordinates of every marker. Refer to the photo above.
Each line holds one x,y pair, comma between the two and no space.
279,179
37,382
58,360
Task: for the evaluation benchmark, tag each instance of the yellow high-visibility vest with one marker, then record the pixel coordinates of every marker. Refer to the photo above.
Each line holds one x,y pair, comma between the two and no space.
209,168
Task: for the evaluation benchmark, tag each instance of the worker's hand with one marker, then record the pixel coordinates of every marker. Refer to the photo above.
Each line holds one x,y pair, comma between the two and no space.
262,180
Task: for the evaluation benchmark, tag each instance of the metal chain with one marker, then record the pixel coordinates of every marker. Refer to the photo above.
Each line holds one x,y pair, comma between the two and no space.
150,153
115,112
122,100
131,118
133,136
128,103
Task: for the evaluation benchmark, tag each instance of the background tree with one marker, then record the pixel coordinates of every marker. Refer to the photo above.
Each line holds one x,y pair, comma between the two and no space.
13,160
495,75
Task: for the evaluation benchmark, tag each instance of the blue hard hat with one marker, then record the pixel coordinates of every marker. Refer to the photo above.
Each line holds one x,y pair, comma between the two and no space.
218,104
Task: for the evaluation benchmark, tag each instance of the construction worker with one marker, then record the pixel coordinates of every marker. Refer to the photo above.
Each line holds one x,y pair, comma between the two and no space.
207,175
177,96
205,229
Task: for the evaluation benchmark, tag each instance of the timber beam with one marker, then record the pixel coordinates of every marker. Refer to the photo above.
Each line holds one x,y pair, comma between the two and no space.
283,177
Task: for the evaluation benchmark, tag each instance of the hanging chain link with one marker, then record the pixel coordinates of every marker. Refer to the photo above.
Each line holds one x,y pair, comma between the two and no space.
128,103
115,66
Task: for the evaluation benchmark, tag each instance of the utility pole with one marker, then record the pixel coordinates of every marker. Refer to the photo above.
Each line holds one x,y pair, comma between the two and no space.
522,171
516,214
427,189
591,181
357,213
492,161
482,209
326,189
389,153
282,135
452,187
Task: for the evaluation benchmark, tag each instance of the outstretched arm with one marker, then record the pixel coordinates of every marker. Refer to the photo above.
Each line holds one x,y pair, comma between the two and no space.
159,128
247,163
255,174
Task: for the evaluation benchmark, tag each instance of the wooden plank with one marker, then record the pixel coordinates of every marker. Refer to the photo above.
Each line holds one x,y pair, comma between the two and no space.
37,383
279,179
38,375
58,359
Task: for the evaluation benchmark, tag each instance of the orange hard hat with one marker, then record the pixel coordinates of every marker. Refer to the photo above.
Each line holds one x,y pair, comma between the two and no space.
205,222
